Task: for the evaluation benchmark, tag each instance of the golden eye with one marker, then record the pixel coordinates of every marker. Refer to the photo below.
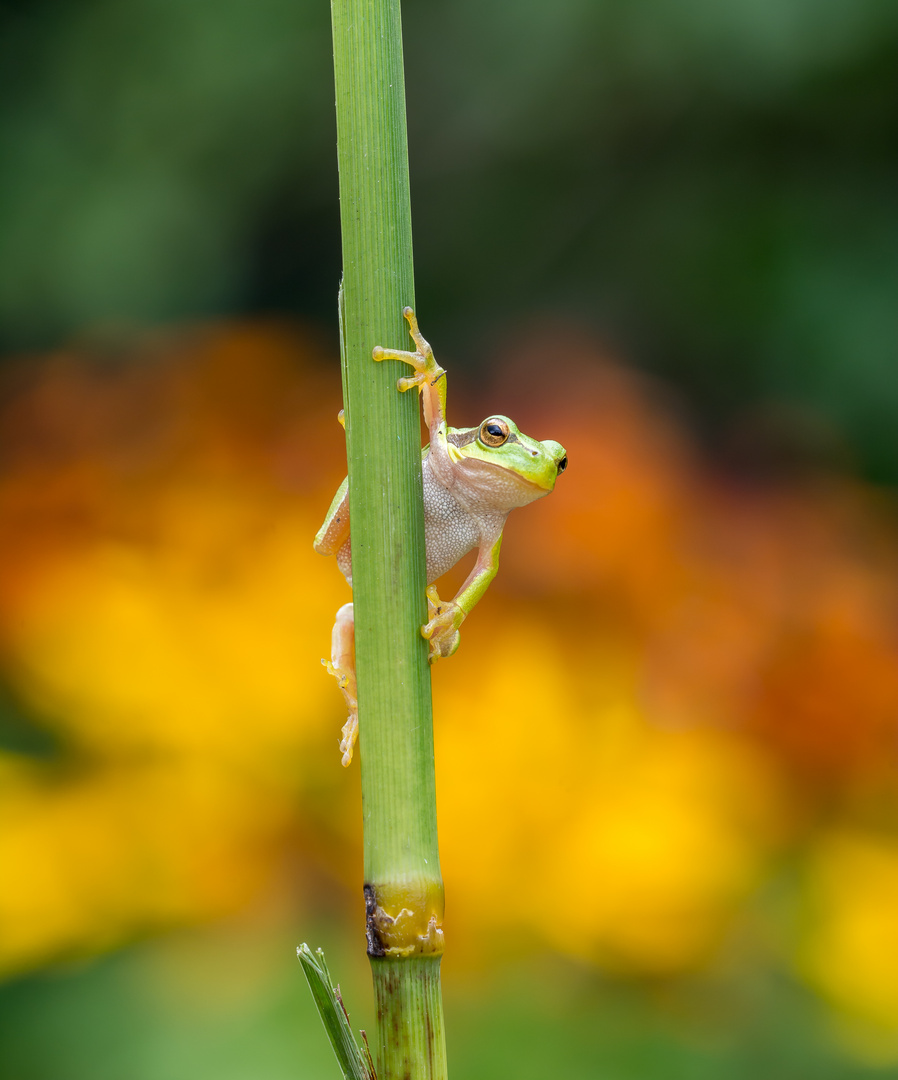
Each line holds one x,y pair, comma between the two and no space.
493,432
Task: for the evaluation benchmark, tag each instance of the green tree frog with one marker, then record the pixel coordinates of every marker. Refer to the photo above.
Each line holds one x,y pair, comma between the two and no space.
473,478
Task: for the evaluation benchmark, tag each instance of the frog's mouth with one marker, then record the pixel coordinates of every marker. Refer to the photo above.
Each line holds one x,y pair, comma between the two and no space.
558,454
553,470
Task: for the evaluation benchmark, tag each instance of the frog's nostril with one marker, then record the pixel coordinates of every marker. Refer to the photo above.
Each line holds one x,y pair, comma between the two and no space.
562,465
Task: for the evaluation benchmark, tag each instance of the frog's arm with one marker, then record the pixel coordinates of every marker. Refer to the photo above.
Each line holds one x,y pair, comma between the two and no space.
446,616
429,377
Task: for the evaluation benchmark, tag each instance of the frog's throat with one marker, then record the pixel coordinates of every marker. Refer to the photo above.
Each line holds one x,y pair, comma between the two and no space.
522,482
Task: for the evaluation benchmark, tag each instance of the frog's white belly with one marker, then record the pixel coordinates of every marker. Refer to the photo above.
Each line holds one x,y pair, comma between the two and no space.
450,530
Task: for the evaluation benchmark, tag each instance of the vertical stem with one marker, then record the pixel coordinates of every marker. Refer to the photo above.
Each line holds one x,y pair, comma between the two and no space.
403,890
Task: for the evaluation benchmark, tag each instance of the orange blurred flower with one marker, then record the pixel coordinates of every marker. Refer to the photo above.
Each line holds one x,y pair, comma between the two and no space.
675,679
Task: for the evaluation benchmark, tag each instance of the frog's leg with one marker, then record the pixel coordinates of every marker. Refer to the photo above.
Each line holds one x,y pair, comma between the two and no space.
446,616
333,539
334,532
342,666
429,377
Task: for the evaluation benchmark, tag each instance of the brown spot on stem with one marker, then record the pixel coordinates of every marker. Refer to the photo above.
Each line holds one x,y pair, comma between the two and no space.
372,934
428,1035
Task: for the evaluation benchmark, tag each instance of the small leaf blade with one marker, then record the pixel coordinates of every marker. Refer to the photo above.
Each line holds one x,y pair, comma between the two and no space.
354,1064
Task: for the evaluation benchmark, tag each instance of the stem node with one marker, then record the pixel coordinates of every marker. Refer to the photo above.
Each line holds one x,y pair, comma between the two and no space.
404,919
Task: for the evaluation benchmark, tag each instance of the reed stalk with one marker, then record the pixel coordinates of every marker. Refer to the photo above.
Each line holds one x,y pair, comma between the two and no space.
403,888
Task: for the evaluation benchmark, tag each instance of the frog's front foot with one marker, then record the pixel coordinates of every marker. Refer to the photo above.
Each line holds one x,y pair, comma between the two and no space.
441,630
422,359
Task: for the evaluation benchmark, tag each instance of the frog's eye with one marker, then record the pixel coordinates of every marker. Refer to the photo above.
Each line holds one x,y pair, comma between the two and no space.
493,432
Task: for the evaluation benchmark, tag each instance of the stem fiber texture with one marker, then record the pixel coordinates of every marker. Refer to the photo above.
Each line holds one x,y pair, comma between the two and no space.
403,887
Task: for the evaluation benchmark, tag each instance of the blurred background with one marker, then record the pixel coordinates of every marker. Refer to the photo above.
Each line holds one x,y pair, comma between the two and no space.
664,234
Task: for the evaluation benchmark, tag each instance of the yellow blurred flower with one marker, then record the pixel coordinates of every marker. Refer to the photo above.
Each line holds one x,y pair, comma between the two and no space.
849,947
567,817
184,645
89,860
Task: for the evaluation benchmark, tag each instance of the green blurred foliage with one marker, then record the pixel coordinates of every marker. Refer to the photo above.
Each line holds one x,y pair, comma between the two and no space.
154,145
709,186
215,1003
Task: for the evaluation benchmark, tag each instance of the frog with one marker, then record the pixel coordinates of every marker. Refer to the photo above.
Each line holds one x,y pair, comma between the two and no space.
472,479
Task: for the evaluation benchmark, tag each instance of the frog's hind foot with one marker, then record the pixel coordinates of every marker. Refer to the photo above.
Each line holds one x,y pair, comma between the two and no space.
350,732
342,667
350,729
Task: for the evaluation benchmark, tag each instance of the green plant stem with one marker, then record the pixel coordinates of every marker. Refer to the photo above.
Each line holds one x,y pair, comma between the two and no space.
403,887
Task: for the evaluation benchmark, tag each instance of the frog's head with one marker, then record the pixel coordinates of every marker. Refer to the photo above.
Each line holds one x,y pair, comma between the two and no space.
505,465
